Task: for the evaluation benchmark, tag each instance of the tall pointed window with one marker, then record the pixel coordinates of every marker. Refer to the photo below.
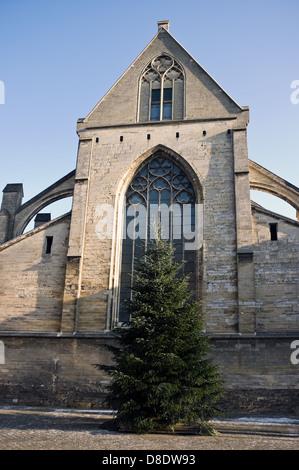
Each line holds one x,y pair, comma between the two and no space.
162,90
160,193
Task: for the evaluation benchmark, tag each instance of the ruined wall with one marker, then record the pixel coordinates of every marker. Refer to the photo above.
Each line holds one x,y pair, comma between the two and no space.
32,281
276,273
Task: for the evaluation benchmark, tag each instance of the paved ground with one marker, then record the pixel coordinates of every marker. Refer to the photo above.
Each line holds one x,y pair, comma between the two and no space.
43,429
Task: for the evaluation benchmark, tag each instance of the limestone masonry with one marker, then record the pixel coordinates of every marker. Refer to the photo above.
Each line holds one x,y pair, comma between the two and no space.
165,132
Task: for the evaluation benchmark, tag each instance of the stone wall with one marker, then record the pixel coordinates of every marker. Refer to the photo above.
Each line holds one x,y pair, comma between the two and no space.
32,281
276,273
52,371
210,141
259,377
11,201
207,149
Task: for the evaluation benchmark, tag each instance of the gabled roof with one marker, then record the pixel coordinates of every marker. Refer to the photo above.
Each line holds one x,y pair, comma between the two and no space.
163,41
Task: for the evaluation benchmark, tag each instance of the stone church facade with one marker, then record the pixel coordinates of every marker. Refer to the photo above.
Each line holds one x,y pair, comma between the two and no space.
165,133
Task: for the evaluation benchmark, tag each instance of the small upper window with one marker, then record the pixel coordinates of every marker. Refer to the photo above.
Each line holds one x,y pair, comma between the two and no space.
273,232
49,242
162,90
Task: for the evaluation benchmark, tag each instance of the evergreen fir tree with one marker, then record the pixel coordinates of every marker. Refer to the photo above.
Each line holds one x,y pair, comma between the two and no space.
162,375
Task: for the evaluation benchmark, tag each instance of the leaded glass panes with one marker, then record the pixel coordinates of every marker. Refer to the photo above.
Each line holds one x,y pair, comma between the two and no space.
161,90
159,194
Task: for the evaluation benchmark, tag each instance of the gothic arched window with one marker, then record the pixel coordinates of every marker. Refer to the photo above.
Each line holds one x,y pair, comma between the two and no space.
162,90
161,194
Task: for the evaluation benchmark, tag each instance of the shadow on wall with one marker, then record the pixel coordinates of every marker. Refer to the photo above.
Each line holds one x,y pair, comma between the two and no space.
54,371
44,367
32,278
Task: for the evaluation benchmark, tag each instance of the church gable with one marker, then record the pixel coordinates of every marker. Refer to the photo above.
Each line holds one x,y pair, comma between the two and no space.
166,138
166,77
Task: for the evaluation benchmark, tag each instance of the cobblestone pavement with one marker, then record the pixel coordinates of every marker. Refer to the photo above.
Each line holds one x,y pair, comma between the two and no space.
44,429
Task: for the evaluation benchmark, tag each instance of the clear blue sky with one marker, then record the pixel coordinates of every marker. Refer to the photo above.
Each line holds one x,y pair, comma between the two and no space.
59,57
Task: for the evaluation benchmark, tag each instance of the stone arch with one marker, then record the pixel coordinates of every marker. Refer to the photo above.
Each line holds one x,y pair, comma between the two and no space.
264,180
128,175
61,189
114,282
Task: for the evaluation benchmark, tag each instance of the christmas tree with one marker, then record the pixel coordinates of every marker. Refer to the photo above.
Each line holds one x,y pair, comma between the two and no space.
162,375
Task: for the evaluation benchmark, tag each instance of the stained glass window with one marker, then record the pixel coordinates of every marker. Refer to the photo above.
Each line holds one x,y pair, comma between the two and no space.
160,194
